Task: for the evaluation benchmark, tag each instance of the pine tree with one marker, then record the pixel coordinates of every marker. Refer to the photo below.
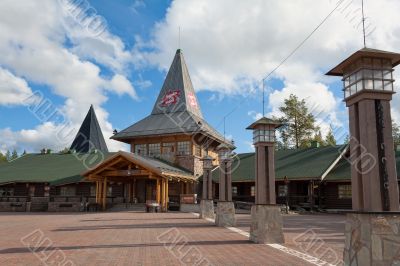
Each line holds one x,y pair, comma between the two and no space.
346,140
24,153
299,123
396,134
330,138
8,156
14,155
318,138
3,158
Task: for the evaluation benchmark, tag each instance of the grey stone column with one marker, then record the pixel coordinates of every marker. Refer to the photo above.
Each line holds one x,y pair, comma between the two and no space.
207,203
266,219
372,228
225,207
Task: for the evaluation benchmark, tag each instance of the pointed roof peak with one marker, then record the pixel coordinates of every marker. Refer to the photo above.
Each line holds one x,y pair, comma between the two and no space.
177,93
89,136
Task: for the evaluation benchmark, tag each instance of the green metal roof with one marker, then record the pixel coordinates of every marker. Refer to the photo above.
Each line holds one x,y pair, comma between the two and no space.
307,163
342,171
49,168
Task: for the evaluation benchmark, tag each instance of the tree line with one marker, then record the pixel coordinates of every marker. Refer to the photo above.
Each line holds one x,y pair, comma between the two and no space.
10,155
300,129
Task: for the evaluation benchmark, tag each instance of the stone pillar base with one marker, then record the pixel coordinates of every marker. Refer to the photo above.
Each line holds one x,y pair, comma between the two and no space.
372,239
207,209
266,224
225,214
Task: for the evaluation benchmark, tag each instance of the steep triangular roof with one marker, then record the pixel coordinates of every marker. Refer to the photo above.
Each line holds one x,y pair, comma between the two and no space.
177,93
90,136
176,110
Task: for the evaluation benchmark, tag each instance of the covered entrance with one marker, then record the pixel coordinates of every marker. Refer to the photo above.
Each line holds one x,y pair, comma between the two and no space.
146,180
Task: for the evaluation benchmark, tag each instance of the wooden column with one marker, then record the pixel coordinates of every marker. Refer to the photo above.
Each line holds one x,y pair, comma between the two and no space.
129,185
97,191
162,194
158,196
166,195
100,193
104,194
134,189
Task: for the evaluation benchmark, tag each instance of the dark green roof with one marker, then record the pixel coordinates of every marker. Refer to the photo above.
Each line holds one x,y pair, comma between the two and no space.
307,163
342,170
55,169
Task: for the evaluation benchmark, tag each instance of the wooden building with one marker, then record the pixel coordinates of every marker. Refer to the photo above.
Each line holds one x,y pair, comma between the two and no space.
164,162
316,177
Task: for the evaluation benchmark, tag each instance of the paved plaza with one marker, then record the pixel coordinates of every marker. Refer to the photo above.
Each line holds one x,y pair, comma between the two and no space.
131,238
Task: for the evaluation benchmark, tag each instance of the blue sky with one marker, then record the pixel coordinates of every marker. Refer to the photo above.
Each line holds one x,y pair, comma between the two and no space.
121,72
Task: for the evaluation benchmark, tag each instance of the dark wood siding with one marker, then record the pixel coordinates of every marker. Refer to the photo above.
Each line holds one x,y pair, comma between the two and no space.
330,197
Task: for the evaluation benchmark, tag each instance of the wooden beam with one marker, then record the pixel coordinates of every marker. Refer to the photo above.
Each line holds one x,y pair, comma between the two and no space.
135,172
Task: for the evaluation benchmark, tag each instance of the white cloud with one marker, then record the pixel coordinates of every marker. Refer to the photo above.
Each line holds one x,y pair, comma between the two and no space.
230,51
13,90
41,43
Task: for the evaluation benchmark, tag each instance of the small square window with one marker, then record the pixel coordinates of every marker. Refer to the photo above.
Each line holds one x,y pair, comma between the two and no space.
234,191
252,191
344,191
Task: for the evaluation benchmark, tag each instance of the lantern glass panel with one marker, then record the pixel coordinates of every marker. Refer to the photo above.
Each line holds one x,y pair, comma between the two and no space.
207,163
264,135
368,85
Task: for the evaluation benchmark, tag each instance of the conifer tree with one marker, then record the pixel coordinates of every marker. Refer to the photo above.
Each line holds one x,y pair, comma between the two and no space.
330,138
299,123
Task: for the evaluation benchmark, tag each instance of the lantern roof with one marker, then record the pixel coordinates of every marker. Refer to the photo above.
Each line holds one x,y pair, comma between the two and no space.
365,52
265,121
224,146
207,157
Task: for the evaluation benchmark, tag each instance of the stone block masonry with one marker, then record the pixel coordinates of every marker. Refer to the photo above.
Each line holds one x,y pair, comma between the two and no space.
372,239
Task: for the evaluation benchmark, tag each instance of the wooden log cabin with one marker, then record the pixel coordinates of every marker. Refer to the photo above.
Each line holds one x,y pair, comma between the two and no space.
307,178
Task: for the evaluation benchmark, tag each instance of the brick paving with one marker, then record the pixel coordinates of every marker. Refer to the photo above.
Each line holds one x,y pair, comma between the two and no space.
319,235
127,238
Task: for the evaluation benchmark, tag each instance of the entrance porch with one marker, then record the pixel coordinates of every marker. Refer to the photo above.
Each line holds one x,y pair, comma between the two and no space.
145,180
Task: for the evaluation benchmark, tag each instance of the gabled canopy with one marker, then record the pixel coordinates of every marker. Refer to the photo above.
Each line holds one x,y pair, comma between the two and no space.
90,136
118,166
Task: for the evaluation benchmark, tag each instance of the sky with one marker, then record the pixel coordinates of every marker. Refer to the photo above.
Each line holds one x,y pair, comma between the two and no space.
69,54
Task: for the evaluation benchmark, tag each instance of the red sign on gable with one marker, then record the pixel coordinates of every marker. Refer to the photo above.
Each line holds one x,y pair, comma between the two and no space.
171,97
192,100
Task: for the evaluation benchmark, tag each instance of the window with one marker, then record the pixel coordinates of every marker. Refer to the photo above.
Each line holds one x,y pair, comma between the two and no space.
282,191
92,191
197,150
67,191
6,191
141,149
109,191
252,191
154,149
234,191
168,148
344,191
184,148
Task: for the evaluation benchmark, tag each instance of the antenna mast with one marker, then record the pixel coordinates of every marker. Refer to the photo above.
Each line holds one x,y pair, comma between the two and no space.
263,98
179,38
363,21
